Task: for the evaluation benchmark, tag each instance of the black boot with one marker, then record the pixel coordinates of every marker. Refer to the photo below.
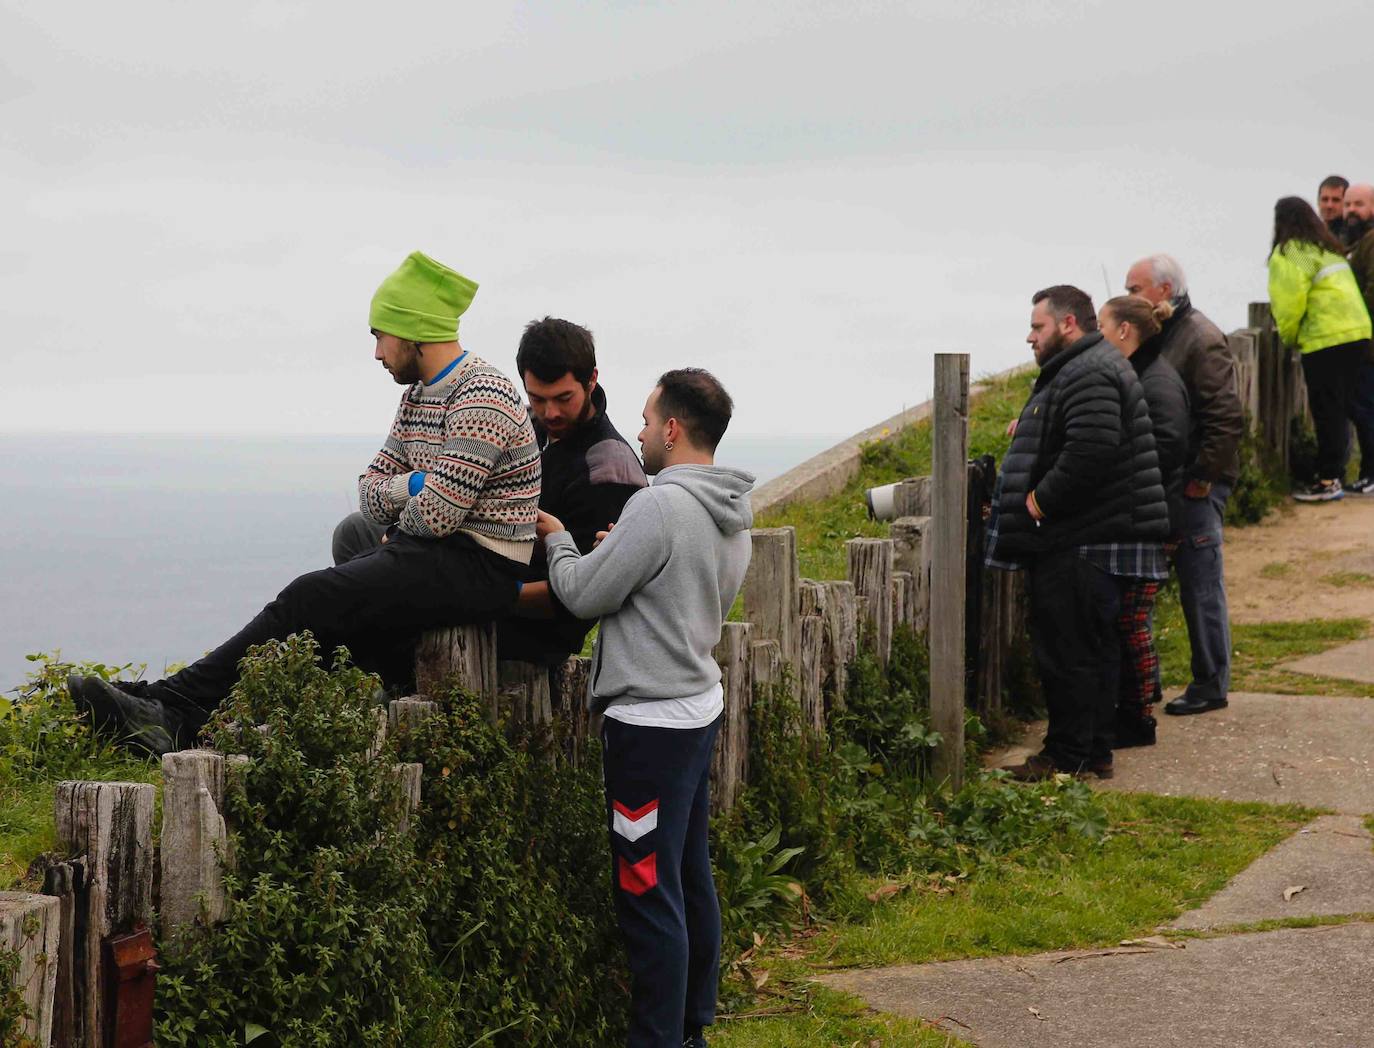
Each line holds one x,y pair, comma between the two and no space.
1134,730
130,717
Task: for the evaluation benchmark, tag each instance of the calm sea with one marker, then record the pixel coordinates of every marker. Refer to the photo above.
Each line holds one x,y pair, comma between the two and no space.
154,549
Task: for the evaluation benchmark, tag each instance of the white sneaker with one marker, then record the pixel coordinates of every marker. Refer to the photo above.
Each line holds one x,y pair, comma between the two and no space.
1363,486
1320,491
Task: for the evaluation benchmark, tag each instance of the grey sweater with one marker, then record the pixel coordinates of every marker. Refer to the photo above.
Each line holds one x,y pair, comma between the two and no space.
662,583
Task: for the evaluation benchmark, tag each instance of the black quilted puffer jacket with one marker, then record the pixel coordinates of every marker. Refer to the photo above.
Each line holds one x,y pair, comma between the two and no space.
1085,445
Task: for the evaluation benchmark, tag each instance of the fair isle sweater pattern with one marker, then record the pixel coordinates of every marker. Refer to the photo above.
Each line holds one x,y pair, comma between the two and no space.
471,437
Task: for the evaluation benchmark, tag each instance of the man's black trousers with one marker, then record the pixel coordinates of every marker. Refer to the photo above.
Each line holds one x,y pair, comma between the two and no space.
658,808
1074,610
370,604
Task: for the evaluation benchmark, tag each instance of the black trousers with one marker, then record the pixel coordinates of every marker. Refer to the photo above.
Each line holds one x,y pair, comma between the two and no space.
371,604
1331,375
1074,611
658,805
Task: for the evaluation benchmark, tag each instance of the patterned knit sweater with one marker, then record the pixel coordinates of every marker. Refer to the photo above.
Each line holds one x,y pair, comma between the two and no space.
471,437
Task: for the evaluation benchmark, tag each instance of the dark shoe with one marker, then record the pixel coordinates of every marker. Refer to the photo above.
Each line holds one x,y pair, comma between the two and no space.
1320,491
1363,486
1134,731
695,1042
134,721
1102,769
1183,705
1036,768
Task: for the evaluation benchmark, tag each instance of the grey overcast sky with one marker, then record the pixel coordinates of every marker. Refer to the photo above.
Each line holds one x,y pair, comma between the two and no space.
197,200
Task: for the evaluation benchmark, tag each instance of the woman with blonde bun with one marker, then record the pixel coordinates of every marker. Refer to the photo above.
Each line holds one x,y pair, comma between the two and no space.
1132,324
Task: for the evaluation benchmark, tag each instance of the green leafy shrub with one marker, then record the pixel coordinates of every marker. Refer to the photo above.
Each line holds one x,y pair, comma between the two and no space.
324,937
1260,485
14,1013
483,918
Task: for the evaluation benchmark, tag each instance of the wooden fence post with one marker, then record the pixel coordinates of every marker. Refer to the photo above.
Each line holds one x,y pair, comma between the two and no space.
112,824
730,762
770,591
950,534
462,654
810,685
842,631
194,840
765,663
903,585
31,926
409,711
870,569
524,691
569,688
911,546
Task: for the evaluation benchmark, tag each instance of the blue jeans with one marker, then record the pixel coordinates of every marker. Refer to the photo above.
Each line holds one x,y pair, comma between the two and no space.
1202,591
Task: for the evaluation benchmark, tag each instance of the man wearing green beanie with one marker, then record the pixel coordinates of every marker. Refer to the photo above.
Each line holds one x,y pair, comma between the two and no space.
456,484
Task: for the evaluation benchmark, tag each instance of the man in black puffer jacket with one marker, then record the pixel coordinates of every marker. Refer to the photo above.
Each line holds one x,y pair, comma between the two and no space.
1081,504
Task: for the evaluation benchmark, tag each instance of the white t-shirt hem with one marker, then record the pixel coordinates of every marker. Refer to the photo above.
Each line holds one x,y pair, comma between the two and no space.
695,711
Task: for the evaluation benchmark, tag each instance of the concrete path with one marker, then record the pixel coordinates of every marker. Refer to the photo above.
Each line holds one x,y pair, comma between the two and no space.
1293,988
1313,750
1348,662
1331,860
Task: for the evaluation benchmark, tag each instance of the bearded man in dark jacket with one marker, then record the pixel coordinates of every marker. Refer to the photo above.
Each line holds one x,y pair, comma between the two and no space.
1081,503
1198,351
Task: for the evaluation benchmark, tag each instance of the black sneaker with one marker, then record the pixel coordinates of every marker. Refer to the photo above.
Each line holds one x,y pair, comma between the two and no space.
133,719
1320,491
1184,706
1134,731
1363,486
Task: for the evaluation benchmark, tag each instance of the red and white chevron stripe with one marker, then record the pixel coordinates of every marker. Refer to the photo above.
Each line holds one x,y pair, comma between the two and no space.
633,825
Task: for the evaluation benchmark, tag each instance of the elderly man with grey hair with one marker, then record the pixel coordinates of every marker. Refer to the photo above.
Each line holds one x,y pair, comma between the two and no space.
1197,349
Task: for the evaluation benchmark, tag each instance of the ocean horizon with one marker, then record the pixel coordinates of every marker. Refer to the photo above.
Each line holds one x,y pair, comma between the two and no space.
152,549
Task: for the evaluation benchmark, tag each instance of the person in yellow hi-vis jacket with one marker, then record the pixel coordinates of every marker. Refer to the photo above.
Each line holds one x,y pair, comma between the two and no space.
1318,307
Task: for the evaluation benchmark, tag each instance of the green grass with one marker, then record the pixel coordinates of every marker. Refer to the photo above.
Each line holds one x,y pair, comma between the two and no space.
824,526
1279,569
1347,578
1163,856
1258,650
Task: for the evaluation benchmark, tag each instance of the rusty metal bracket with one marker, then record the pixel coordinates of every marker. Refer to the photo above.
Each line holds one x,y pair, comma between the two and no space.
131,961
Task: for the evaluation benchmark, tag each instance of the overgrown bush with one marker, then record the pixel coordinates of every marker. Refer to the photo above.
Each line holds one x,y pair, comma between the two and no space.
13,1011
484,918
1261,484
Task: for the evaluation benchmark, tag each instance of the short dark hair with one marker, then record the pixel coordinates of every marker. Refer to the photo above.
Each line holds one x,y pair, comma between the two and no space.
1334,181
1065,299
695,398
552,347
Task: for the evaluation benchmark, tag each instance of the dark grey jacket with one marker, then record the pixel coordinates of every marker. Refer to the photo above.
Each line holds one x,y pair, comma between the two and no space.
1167,398
1197,349
1085,445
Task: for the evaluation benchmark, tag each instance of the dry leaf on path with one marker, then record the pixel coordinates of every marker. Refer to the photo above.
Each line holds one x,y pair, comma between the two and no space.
1156,941
1036,1012
886,890
1288,893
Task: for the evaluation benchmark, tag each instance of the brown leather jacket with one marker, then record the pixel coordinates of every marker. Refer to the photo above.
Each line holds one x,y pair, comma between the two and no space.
1197,349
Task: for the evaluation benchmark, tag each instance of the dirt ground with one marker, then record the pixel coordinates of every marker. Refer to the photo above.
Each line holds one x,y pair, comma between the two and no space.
1304,562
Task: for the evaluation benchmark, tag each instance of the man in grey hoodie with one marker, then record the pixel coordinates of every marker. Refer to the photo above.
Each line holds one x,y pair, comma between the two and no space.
662,581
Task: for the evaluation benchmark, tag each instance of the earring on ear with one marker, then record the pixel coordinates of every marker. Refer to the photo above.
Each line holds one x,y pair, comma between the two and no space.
667,445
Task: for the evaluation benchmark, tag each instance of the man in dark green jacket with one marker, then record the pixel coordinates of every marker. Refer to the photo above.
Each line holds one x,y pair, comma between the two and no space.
1198,351
1359,234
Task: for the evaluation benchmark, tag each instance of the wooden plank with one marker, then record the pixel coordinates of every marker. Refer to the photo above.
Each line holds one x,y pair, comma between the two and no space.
771,590
870,569
569,694
911,545
730,761
949,533
912,497
523,693
31,926
111,823
903,585
409,776
460,655
194,841
409,712
842,639
810,690
765,664
65,880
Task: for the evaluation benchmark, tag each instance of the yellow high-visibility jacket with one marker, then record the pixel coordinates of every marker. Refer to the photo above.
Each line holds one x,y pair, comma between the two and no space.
1314,297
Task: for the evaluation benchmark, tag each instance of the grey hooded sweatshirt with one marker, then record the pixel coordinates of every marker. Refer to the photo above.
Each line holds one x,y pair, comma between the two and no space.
662,583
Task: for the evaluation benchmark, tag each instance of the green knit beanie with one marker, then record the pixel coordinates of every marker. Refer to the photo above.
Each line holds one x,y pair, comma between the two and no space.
421,301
